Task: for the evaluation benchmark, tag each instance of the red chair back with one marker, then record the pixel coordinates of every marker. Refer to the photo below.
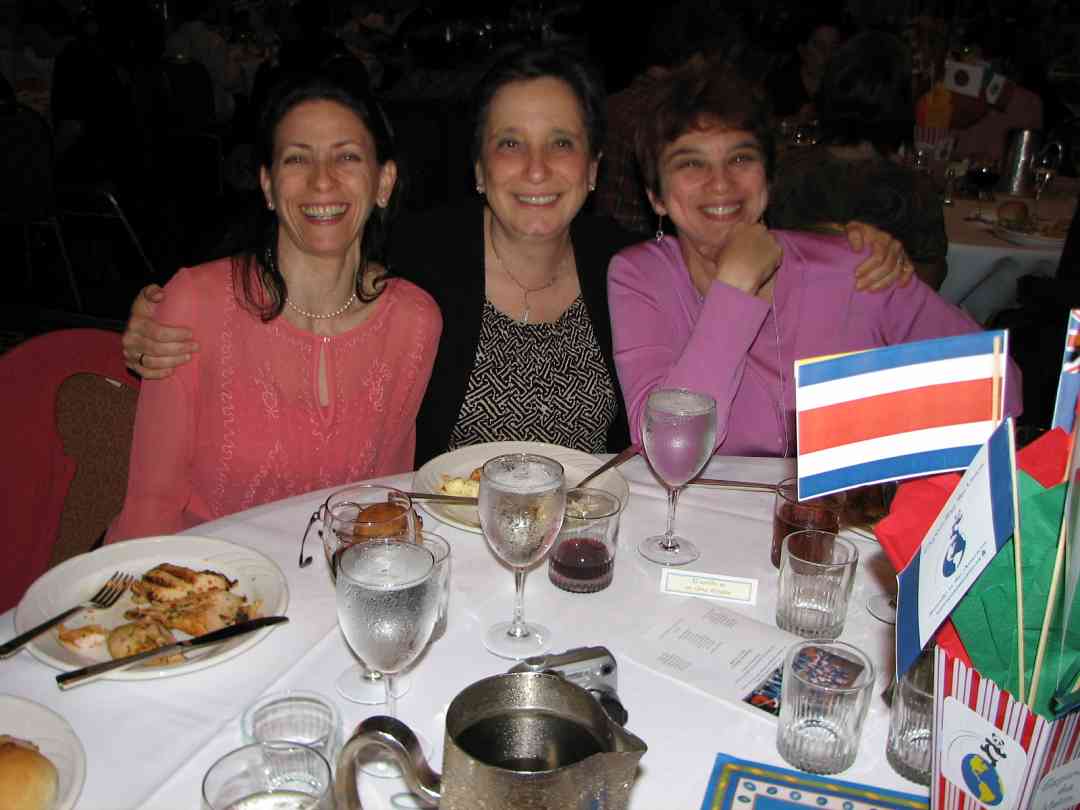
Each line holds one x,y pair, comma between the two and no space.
35,472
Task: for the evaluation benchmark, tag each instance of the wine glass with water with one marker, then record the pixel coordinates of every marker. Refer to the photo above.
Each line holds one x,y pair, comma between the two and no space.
1044,167
522,502
679,437
357,514
388,597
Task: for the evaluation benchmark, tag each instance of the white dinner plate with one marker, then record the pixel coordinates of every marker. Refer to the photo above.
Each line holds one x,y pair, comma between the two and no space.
1031,240
461,462
258,578
54,738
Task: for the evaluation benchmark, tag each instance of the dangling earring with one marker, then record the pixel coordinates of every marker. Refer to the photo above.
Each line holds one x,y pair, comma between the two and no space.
269,205
659,229
480,189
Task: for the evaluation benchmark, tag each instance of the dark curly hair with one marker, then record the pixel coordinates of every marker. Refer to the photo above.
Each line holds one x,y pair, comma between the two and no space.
699,96
257,279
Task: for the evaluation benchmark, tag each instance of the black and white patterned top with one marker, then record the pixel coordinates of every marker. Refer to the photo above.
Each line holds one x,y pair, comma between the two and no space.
540,382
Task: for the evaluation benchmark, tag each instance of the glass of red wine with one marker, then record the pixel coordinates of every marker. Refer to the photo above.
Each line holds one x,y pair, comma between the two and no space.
792,515
583,559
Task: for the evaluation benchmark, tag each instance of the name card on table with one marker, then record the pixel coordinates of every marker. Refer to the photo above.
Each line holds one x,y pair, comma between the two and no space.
740,590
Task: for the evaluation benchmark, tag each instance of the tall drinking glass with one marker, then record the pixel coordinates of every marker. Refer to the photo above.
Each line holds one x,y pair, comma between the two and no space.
679,437
353,515
522,501
388,597
1044,166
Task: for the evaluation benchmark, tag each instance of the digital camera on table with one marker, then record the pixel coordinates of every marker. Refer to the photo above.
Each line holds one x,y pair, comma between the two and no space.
592,668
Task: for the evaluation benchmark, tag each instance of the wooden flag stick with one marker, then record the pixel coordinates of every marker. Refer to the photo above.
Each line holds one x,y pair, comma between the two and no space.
995,406
1017,564
1044,635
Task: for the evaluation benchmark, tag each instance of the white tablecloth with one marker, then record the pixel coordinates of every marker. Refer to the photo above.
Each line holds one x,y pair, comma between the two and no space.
984,268
148,744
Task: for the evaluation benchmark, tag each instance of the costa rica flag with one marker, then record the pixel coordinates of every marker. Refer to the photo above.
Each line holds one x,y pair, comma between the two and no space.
898,411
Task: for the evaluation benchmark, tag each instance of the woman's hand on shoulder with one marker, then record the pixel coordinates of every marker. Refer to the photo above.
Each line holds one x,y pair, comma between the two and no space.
152,350
887,265
750,259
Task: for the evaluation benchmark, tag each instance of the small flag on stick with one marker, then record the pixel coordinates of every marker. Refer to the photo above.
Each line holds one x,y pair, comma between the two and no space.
975,523
897,412
1069,381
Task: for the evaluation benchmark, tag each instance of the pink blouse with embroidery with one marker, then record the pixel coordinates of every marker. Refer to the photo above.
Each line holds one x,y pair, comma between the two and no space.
242,424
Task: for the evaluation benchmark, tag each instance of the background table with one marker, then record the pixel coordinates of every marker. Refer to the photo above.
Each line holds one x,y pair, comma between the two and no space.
148,743
983,267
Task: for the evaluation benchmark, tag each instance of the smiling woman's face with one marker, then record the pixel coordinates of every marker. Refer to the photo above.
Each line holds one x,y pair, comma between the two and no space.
325,178
711,180
536,164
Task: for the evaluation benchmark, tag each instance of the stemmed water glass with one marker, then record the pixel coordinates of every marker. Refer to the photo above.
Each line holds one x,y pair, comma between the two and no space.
346,519
522,501
679,437
1044,166
388,597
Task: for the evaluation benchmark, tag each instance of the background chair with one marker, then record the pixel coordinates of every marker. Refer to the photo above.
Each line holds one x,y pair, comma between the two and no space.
27,194
67,412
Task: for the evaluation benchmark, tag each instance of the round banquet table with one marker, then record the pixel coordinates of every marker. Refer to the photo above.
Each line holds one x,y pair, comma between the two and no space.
148,743
983,268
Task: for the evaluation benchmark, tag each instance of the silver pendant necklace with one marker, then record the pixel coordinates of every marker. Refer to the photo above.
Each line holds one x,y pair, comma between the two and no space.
526,291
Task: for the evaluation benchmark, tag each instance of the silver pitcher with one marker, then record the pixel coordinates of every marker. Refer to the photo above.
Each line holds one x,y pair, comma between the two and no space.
529,740
1020,149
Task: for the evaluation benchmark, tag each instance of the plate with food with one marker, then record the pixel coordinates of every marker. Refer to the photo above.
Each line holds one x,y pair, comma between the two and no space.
1043,234
42,762
458,473
187,586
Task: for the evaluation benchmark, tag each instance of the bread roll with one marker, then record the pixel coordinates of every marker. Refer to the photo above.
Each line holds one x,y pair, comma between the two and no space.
28,780
1013,212
373,520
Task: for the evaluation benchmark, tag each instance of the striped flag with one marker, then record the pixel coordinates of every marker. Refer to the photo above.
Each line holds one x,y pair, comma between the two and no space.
898,411
1069,381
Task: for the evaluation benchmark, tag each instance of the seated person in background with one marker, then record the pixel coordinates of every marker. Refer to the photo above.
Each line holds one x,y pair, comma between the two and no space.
793,86
980,124
313,364
855,171
194,39
728,306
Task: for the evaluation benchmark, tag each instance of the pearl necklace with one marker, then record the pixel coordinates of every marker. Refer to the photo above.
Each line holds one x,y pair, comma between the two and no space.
526,291
316,316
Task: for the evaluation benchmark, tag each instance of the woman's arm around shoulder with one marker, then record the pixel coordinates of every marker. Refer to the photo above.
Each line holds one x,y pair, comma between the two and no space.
159,478
916,312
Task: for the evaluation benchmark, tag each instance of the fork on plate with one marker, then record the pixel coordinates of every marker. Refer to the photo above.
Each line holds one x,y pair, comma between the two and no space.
106,597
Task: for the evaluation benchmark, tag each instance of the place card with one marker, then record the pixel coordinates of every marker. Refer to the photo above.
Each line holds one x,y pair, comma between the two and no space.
714,649
725,588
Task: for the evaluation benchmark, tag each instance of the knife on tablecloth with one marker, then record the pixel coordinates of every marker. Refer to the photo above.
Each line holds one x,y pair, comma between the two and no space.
66,680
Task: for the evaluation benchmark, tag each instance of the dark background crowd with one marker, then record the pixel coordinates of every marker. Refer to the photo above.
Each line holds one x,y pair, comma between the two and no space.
135,158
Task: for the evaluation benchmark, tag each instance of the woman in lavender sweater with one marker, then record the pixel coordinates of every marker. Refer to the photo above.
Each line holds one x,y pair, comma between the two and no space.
727,306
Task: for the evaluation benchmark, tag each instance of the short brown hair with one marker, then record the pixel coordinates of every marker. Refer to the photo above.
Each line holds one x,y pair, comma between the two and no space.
700,96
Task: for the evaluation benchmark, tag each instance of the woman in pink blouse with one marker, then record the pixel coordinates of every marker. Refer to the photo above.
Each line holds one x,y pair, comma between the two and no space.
312,362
